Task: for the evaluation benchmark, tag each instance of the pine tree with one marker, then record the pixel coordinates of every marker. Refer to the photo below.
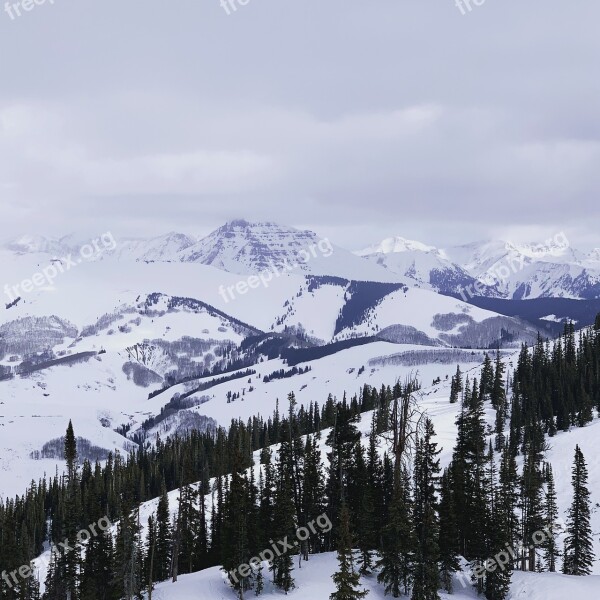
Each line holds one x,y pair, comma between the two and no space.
499,532
97,575
448,533
425,513
71,560
486,385
508,497
148,580
70,451
346,579
128,554
284,520
364,511
551,552
398,542
234,537
498,399
531,507
456,386
164,538
578,552
313,492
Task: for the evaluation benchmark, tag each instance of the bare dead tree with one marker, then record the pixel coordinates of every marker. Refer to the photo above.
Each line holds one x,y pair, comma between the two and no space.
406,421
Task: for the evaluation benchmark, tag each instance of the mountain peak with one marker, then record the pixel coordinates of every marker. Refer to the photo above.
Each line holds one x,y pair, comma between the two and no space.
396,244
28,244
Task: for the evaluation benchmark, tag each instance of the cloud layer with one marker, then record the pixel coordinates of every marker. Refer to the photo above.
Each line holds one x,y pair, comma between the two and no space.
357,119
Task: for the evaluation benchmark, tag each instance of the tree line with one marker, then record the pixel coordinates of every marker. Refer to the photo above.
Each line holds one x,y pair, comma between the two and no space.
396,515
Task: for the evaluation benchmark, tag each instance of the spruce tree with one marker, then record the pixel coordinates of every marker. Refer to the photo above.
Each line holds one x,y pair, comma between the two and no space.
164,538
448,533
551,552
531,507
128,554
456,386
234,537
71,560
499,532
346,579
425,514
578,552
284,520
398,542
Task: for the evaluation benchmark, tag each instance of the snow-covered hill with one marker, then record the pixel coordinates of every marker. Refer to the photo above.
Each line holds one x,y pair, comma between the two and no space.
314,583
100,336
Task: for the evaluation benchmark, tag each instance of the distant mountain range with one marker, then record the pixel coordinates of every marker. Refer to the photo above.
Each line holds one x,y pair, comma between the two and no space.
495,269
160,334
492,269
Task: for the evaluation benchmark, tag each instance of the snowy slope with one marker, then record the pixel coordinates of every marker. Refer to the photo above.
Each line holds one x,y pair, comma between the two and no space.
406,315
328,375
314,583
98,395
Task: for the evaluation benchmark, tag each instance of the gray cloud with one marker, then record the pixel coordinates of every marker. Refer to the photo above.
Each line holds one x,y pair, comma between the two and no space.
360,120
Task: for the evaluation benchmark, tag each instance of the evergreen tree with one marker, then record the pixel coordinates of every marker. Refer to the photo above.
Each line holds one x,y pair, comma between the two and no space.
284,520
164,538
398,542
313,492
346,579
425,513
128,555
448,533
499,536
578,552
486,384
456,385
551,552
234,538
148,580
531,507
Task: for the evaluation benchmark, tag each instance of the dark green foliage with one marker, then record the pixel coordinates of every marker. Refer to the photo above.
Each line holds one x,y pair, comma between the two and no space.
346,579
551,552
425,515
397,542
579,552
448,533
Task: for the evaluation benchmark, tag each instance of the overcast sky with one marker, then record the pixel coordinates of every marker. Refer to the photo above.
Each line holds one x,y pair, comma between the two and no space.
359,119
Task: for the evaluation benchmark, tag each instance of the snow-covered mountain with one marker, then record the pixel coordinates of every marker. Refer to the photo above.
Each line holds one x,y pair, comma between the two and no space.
551,269
492,269
149,318
164,248
422,266
247,248
156,337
